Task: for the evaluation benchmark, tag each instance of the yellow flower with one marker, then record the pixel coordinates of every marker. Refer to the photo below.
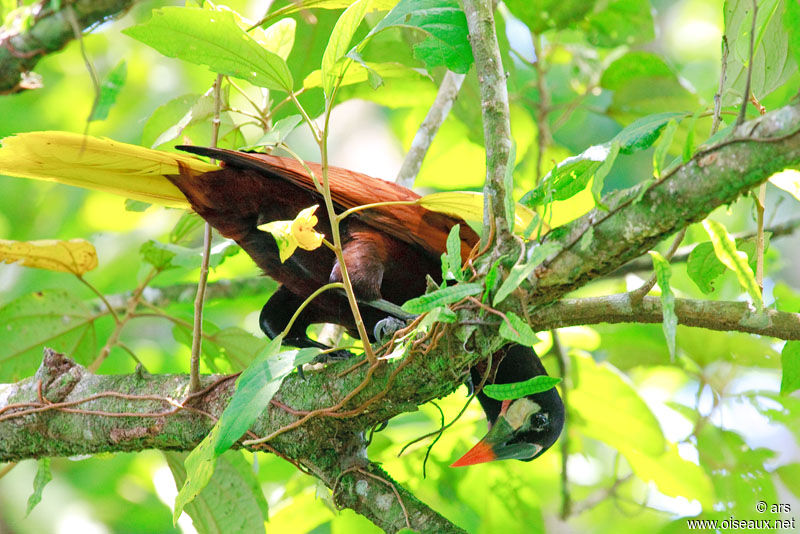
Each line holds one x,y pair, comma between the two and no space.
297,233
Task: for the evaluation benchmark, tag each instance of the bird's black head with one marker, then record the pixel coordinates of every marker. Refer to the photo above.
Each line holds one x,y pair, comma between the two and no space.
522,428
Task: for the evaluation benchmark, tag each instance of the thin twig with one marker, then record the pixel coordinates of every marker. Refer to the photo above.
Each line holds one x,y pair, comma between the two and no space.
199,301
69,14
718,96
448,91
563,369
746,97
638,294
113,339
543,135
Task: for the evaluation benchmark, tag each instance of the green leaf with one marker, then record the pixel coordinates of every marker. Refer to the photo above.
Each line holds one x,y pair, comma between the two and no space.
790,361
725,249
520,272
280,130
602,171
703,267
642,133
157,255
452,259
791,23
294,7
519,331
279,37
166,117
441,297
672,475
43,476
688,146
620,22
644,84
178,116
339,43
52,318
772,64
517,390
109,89
569,178
136,205
549,14
354,76
444,22
604,406
165,256
669,321
492,279
255,388
214,39
232,501
238,346
199,467
663,146
188,223
790,476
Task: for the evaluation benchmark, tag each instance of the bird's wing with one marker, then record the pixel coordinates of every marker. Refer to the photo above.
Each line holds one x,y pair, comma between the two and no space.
408,222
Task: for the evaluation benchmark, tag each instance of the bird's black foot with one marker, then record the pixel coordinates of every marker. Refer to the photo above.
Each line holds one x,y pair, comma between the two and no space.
333,356
385,328
470,386
326,357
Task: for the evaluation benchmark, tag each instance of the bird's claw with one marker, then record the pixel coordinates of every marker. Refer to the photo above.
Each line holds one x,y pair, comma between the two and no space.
385,328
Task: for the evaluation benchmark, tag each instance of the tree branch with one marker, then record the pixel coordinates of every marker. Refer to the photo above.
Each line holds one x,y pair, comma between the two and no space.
64,410
715,315
448,91
50,31
495,115
638,218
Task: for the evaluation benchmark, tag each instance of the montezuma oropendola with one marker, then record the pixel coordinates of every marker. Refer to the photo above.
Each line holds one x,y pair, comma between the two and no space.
388,250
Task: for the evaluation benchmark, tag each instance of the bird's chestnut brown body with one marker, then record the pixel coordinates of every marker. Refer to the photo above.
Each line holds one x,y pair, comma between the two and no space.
388,250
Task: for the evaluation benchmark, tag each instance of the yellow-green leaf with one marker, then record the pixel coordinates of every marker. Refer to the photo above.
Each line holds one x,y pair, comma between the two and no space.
519,331
790,363
469,206
788,180
669,321
75,256
339,43
733,259
672,475
605,406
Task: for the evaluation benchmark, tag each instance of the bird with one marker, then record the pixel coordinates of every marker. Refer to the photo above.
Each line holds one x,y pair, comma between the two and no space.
389,250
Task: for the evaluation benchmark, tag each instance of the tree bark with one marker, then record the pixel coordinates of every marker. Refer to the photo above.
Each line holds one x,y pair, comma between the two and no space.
50,31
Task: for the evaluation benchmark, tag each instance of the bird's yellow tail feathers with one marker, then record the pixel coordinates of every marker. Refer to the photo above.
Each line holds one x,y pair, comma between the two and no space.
98,163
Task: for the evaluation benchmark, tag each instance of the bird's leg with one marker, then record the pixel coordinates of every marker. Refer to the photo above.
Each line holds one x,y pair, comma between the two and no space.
363,254
277,313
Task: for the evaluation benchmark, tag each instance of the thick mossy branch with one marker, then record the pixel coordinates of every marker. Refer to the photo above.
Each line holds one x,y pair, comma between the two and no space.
638,218
50,31
64,410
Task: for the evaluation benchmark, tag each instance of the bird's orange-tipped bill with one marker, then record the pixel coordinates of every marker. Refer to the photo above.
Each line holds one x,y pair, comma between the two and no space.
494,446
478,454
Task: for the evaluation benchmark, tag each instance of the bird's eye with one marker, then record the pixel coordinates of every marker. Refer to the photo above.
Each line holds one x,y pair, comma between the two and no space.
539,421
